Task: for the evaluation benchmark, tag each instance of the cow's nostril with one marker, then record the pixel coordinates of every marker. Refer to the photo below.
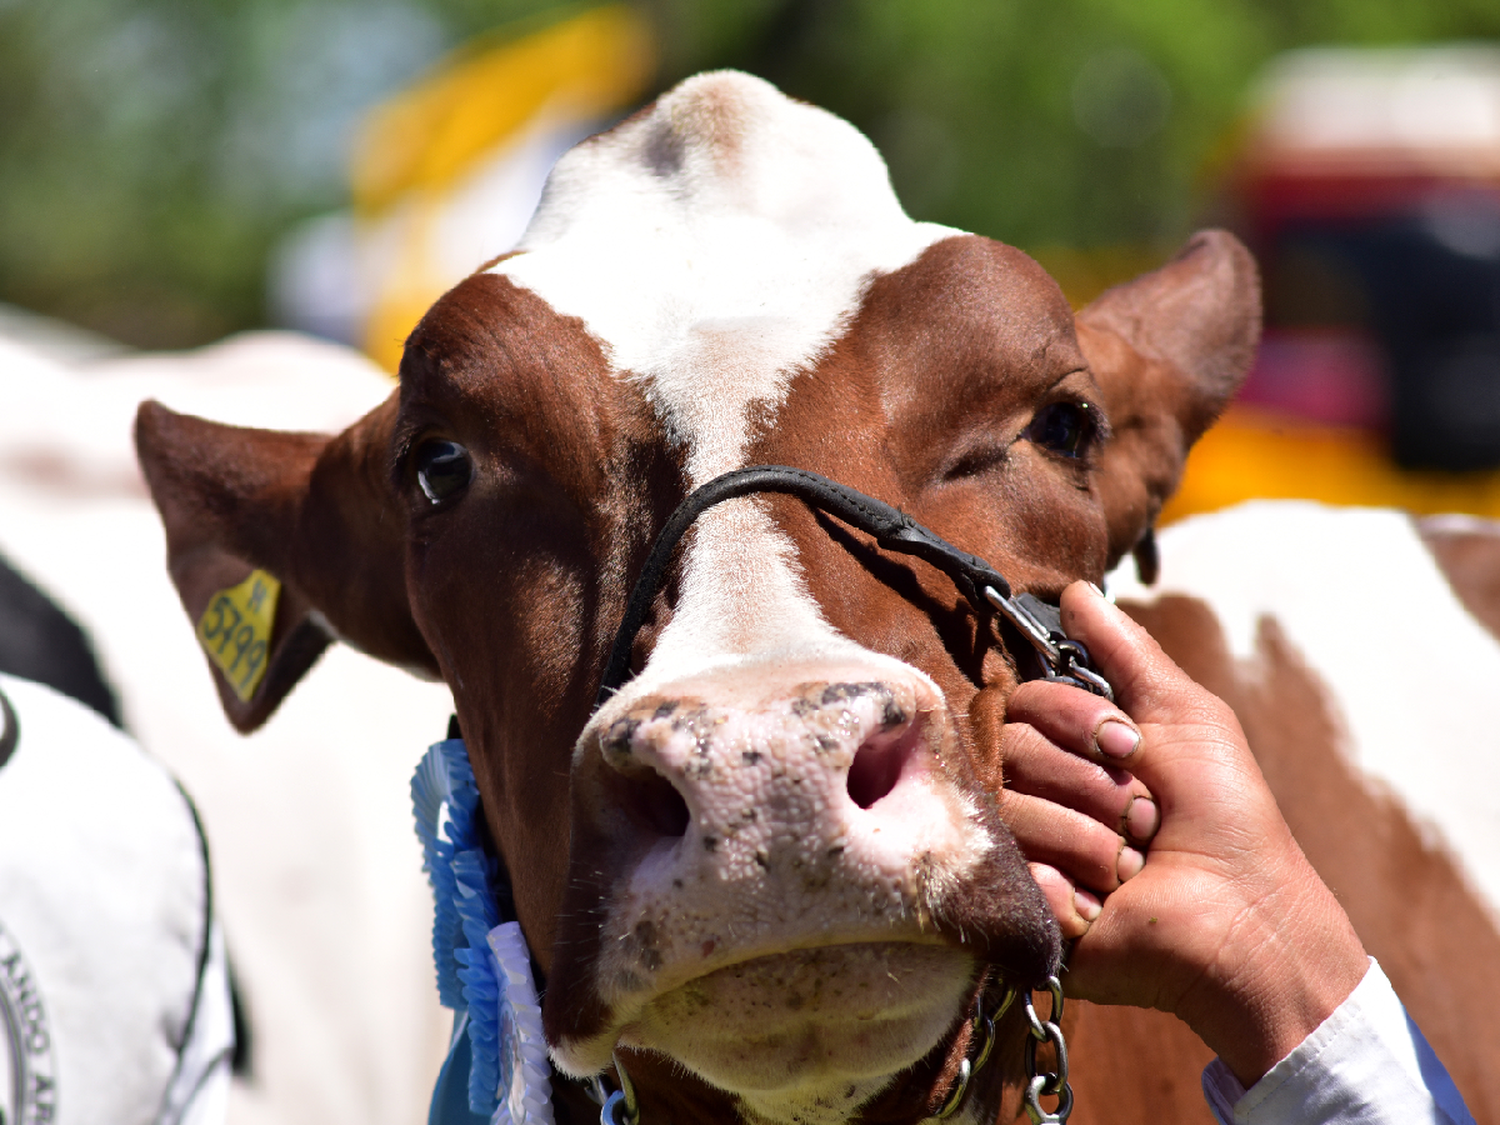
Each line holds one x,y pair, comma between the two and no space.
877,766
636,788
654,802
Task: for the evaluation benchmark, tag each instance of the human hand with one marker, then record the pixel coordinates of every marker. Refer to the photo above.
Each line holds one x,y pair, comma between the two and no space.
1225,924
1082,822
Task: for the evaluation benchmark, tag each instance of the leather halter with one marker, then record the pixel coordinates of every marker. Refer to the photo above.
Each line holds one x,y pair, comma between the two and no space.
984,587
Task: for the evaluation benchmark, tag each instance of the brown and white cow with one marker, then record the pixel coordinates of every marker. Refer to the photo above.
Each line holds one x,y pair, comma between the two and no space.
1358,648
323,1046
786,876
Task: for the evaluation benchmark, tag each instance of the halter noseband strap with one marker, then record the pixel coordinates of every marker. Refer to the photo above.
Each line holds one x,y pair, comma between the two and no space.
985,587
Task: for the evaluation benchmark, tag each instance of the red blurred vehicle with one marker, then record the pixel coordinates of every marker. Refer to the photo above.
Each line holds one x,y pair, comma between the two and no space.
1369,186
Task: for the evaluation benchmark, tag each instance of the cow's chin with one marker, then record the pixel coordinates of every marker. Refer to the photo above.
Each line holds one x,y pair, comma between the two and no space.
812,1034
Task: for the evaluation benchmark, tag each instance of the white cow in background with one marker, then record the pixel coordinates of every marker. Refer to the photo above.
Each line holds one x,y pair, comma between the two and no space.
316,870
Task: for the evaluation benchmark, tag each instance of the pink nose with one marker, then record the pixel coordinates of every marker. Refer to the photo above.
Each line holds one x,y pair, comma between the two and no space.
790,787
725,824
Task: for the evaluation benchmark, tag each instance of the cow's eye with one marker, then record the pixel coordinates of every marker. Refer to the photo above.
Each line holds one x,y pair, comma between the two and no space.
443,469
1063,427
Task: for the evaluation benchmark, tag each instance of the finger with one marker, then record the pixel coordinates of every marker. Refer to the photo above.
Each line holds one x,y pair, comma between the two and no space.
1074,909
1084,850
1190,737
1035,766
1146,681
1076,720
1142,819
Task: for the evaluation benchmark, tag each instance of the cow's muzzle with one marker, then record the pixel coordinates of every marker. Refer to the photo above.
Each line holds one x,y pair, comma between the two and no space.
790,862
750,836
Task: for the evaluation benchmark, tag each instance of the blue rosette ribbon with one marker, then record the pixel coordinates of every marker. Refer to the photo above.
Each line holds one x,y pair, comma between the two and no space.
483,964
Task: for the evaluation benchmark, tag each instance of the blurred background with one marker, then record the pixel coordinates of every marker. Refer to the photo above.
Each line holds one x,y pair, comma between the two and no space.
173,171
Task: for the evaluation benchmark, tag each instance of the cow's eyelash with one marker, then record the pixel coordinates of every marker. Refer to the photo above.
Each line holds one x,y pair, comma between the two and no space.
982,458
976,461
400,458
404,443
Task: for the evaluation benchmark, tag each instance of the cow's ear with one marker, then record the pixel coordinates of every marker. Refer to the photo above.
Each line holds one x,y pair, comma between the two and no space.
277,543
1168,349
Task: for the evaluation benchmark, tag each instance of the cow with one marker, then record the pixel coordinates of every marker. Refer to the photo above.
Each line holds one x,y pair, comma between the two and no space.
334,898
40,642
1357,647
788,883
97,839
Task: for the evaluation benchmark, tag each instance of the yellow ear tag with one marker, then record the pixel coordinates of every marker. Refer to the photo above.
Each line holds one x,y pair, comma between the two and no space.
235,631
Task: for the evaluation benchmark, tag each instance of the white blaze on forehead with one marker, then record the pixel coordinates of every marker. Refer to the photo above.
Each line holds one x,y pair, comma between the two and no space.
716,245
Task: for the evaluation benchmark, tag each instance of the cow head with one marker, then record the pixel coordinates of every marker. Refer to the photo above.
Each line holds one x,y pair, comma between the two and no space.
770,869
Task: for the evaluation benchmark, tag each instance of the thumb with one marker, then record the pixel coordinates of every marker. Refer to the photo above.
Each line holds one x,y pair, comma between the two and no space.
1151,689
1147,682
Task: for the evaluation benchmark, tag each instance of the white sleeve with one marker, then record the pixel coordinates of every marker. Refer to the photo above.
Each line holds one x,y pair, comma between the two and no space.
1367,1064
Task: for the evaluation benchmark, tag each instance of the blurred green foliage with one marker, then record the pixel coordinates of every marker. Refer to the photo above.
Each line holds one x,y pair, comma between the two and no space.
151,151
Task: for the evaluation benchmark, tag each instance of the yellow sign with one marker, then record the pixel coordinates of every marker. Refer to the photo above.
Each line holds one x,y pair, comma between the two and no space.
235,631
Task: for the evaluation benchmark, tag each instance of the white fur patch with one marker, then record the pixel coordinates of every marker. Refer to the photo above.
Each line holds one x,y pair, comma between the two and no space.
1360,596
716,246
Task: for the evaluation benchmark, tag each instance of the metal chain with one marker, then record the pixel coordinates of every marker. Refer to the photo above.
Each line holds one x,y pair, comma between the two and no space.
983,1030
1051,1084
620,1107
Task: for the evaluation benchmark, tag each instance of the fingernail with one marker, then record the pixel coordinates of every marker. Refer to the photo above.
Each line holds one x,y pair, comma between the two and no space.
1087,905
1115,740
1096,589
1129,865
1142,819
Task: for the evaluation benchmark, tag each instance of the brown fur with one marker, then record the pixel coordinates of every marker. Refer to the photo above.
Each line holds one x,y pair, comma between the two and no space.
512,593
1470,557
1176,354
